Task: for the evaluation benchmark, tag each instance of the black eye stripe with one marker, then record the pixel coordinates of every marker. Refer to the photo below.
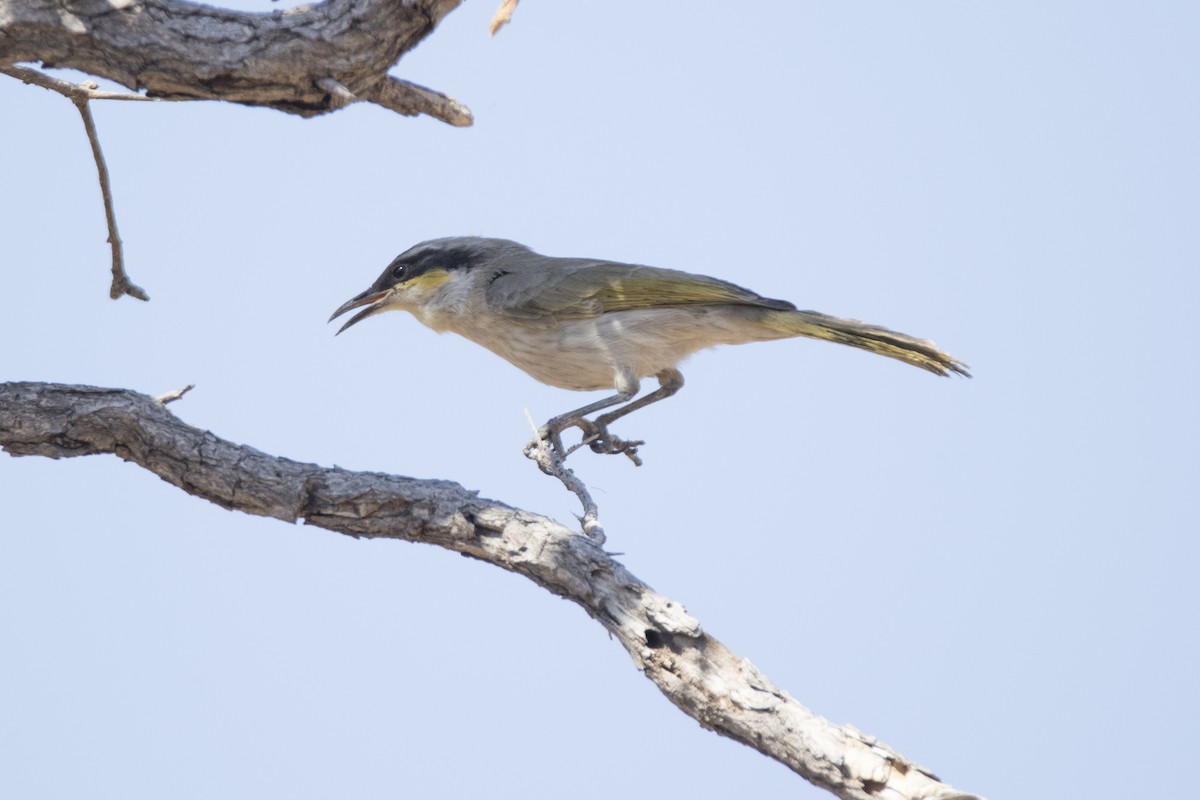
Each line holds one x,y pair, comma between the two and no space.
410,265
416,264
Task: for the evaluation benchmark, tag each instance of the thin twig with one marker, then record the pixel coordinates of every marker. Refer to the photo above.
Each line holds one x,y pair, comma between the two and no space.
121,284
68,89
542,453
80,94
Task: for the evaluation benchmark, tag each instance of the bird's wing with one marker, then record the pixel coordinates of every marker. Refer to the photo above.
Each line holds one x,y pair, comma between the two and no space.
581,289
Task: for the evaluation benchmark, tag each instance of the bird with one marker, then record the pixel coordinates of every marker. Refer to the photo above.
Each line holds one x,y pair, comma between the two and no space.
588,324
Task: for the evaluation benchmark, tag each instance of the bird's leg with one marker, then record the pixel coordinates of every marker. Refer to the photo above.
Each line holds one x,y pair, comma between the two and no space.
596,432
551,432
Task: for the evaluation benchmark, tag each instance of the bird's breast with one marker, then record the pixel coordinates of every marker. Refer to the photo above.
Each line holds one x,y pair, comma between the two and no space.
587,354
569,355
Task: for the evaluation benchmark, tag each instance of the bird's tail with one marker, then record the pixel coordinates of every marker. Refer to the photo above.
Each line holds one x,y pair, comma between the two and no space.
918,352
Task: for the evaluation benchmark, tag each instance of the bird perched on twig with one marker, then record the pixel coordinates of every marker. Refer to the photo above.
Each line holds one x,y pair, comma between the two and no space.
587,324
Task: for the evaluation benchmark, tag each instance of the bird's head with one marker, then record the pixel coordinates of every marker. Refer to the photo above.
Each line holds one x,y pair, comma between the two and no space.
429,276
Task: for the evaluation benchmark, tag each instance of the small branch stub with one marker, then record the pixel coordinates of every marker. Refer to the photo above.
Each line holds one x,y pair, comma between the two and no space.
171,397
411,99
340,96
503,16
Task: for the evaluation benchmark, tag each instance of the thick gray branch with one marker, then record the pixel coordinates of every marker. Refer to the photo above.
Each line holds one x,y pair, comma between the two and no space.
283,60
721,690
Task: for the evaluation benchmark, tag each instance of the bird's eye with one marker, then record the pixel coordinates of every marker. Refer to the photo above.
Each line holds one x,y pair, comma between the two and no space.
398,271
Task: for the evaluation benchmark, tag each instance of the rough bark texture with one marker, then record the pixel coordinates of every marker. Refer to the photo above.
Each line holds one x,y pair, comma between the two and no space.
305,61
721,690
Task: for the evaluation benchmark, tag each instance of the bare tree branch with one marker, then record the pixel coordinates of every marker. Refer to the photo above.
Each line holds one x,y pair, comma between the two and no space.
722,691
184,51
303,61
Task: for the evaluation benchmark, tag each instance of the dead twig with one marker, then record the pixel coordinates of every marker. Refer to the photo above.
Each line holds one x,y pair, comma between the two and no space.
121,285
543,453
81,94
68,89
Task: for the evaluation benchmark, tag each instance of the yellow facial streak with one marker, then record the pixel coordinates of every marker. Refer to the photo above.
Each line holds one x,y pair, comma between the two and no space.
426,281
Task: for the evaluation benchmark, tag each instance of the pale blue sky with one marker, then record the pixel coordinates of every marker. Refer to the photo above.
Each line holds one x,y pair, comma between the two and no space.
997,577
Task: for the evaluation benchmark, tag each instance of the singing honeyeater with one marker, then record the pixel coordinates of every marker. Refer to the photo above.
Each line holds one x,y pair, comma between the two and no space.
588,324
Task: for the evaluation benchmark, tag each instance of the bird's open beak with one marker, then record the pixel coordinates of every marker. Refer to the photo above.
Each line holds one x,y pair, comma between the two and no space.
374,300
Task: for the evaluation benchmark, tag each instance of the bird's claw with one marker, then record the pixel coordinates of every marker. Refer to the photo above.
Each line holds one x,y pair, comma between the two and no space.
597,437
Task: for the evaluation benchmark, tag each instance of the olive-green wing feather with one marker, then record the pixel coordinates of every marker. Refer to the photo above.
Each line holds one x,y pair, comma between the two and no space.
579,289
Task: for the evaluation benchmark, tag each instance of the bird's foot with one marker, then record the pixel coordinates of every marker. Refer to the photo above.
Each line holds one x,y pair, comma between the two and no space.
597,437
